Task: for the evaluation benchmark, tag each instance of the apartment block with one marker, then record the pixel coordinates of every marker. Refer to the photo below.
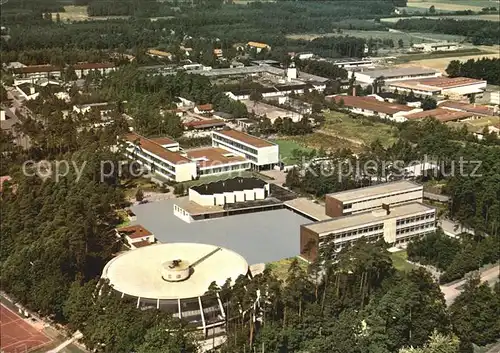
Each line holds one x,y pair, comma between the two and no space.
262,154
396,225
366,199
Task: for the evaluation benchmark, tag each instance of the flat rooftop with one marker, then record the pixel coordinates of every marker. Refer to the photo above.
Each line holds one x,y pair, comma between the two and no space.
229,185
397,72
375,190
246,138
213,156
430,84
308,207
259,237
366,218
138,272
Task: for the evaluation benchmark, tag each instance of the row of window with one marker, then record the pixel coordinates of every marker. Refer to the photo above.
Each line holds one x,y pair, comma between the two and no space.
152,166
407,238
157,161
355,232
417,199
224,169
349,205
339,245
415,228
235,144
414,219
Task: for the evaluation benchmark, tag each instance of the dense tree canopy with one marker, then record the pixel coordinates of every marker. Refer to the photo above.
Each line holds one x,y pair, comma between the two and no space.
485,69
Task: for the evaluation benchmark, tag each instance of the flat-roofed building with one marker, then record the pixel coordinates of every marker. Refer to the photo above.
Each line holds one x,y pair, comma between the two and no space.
158,159
261,153
83,69
456,86
432,47
367,77
215,160
37,71
395,225
258,46
365,199
136,236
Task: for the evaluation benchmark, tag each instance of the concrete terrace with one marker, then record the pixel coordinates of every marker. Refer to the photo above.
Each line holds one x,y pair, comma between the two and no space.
259,237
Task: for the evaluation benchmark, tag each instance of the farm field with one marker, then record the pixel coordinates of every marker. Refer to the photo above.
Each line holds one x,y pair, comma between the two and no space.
363,130
407,37
489,17
442,63
73,13
451,5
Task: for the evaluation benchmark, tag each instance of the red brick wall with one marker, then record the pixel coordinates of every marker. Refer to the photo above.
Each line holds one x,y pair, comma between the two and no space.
333,207
308,244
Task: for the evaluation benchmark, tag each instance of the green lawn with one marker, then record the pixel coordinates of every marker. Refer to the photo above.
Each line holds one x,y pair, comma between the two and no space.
286,148
399,261
280,268
359,129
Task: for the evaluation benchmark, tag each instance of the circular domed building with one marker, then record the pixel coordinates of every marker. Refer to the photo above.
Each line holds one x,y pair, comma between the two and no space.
175,278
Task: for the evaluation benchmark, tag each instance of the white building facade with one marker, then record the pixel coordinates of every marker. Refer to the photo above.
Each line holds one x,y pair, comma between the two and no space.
259,152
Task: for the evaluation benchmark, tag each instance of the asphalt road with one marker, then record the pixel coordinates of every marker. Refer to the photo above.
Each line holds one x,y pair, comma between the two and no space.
452,291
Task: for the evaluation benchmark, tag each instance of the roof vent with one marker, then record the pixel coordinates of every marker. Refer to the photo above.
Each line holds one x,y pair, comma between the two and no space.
175,270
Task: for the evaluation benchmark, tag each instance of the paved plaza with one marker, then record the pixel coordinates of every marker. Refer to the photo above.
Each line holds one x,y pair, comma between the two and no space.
259,237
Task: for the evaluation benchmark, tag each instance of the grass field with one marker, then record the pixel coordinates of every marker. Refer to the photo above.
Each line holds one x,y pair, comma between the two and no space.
442,62
359,129
451,5
280,268
490,17
399,261
286,148
328,142
73,13
395,36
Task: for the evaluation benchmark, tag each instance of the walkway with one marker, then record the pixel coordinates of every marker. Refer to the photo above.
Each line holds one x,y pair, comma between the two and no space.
452,291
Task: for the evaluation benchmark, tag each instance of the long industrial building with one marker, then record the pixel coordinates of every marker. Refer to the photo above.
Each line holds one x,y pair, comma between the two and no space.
365,199
396,225
367,77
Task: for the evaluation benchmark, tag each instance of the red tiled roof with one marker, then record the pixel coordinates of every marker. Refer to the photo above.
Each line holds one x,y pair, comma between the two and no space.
478,109
93,66
246,138
3,179
155,148
443,115
141,244
135,231
448,82
205,107
371,103
36,68
205,123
